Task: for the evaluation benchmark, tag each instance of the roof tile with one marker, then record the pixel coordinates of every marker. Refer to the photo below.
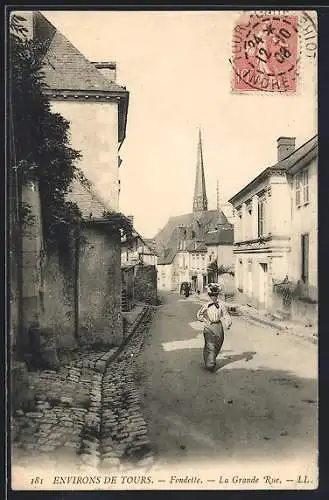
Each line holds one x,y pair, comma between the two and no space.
64,64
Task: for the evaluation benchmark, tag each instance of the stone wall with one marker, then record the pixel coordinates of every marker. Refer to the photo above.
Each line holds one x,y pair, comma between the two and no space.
14,294
298,310
59,300
146,284
100,318
69,297
128,293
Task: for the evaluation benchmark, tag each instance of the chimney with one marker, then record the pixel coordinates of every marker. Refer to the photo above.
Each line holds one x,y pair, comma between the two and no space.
286,146
108,69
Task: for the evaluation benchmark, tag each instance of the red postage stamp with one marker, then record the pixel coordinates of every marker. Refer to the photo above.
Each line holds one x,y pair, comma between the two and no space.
265,53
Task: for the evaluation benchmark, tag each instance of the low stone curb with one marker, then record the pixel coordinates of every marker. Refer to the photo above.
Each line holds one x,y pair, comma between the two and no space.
266,322
70,422
108,431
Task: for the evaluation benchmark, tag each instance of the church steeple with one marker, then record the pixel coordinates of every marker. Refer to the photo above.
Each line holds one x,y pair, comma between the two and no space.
200,201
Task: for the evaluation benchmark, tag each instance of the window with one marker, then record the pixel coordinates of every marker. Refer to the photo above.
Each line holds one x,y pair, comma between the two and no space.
249,224
305,186
239,225
302,191
298,201
240,276
304,257
261,217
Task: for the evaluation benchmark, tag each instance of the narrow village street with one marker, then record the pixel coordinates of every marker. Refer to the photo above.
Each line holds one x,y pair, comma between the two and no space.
150,405
260,403
126,214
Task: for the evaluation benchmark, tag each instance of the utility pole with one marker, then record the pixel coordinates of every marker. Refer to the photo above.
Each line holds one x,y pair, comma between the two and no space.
217,191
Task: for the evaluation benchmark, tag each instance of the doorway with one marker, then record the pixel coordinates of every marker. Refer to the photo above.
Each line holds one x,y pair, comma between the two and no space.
263,288
204,283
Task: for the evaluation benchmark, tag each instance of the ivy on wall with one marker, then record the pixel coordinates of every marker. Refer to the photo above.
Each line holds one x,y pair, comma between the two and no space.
119,222
39,142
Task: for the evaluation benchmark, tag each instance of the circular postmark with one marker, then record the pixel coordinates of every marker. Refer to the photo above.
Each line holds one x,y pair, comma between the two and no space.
267,49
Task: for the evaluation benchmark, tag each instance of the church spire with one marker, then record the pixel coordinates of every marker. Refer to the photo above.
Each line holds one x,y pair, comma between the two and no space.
200,202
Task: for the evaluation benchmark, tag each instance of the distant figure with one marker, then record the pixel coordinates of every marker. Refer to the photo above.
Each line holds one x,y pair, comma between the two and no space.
213,315
184,289
198,292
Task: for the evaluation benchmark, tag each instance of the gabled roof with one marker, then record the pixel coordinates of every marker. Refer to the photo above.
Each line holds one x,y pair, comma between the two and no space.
200,247
166,239
68,73
223,236
208,219
66,68
91,206
167,257
284,165
151,245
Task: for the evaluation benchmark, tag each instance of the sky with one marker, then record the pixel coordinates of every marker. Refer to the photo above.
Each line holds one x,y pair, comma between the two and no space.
176,67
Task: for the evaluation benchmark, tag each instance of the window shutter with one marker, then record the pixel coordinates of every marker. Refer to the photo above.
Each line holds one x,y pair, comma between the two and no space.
298,189
305,186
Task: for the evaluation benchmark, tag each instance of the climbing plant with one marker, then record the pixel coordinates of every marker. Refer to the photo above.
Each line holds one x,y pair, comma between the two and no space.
40,148
119,222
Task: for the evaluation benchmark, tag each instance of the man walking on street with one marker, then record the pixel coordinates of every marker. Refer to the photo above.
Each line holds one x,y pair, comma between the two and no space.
215,317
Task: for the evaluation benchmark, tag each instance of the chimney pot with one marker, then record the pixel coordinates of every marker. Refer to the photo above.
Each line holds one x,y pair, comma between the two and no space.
285,146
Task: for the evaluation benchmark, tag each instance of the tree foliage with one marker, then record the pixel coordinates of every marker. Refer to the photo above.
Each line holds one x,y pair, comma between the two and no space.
40,142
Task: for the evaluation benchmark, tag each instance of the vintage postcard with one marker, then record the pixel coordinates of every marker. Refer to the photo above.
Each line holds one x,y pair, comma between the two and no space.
162,211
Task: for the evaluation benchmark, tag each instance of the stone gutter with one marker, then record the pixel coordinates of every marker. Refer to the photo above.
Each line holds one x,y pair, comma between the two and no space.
97,442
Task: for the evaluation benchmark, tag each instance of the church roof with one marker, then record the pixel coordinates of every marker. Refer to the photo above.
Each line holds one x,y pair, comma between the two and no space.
197,247
197,224
167,257
208,219
200,201
223,236
166,239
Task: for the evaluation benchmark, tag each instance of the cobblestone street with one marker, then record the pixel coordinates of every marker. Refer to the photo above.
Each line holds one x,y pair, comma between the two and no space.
86,415
150,405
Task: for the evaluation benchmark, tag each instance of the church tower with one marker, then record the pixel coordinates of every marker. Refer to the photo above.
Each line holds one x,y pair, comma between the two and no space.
200,201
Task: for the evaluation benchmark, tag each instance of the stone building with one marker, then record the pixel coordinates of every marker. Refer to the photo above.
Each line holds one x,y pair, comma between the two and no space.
138,270
137,250
181,244
79,299
275,230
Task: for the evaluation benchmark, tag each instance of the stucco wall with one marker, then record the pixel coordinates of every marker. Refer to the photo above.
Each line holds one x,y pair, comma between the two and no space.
280,213
94,132
164,276
249,277
100,318
304,220
223,254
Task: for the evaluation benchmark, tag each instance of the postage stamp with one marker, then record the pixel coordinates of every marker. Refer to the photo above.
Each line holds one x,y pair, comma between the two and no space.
266,51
